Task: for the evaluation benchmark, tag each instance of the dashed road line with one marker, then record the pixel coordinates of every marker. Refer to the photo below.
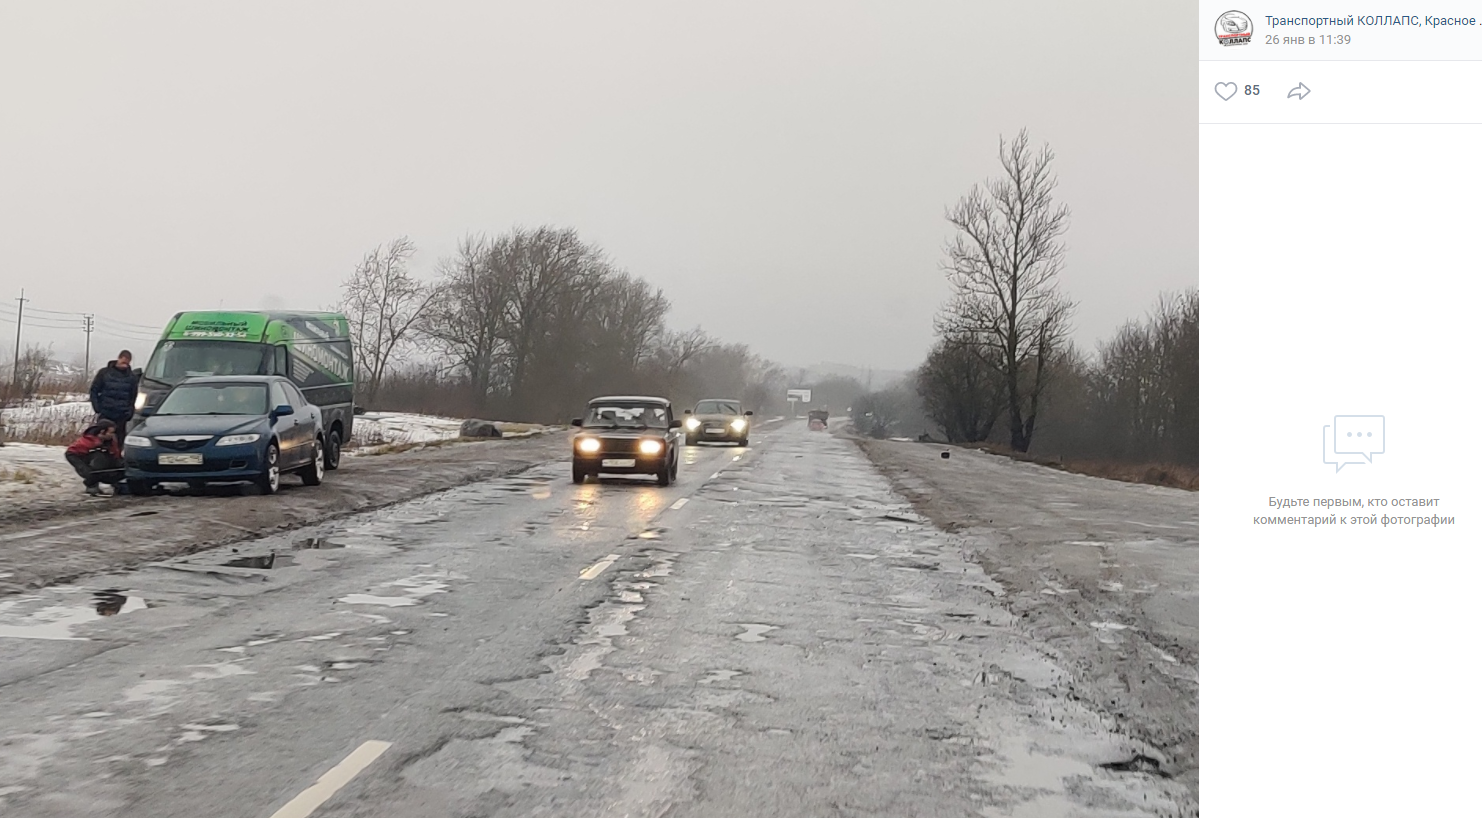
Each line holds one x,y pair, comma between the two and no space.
599,566
304,804
679,504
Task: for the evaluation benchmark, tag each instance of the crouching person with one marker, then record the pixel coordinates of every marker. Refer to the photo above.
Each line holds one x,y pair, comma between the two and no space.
97,457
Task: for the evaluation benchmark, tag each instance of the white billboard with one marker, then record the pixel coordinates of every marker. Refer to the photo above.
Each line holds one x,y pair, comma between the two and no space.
800,395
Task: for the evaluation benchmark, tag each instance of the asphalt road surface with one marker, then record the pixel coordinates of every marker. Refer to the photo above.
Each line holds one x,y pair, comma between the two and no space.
775,635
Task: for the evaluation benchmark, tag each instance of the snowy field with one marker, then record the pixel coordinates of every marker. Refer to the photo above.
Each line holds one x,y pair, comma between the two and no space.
26,468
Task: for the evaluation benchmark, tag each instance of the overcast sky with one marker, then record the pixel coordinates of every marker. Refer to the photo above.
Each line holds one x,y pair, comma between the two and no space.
779,169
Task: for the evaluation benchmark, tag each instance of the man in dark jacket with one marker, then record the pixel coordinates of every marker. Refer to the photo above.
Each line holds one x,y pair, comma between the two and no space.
114,390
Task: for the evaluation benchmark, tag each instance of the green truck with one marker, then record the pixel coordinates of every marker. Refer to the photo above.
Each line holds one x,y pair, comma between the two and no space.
312,349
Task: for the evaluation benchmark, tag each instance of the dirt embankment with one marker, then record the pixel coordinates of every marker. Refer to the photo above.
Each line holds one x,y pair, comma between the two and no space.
54,538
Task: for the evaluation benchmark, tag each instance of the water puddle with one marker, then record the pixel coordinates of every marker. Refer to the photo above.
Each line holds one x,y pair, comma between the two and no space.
754,632
56,622
413,590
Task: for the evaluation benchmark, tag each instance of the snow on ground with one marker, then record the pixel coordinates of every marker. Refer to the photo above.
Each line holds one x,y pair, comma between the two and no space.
57,420
374,431
26,469
376,428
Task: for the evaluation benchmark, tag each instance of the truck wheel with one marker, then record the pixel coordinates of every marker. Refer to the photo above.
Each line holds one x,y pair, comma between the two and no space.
332,451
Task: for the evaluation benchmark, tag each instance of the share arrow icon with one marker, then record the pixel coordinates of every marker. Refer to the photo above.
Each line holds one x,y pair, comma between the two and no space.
1300,92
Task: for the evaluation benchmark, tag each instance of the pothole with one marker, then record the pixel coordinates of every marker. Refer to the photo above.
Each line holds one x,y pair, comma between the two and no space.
317,543
1137,764
262,563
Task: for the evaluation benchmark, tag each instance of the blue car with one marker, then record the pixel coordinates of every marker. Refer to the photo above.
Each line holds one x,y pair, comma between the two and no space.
227,429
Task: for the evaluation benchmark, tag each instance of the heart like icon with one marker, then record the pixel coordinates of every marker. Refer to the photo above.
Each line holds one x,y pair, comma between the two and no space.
1225,90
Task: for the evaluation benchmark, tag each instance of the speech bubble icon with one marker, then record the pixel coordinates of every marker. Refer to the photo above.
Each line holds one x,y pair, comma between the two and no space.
1359,434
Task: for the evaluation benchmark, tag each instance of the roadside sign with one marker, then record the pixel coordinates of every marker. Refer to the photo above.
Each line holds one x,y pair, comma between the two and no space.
800,395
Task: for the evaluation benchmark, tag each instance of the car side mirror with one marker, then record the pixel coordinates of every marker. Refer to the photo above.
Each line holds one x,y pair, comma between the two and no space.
674,423
689,411
282,411
576,421
747,413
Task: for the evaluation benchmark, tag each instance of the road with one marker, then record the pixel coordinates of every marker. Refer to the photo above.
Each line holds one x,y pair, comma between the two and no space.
776,634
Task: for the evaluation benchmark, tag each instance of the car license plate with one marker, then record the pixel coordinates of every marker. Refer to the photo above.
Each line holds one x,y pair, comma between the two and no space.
620,464
180,460
714,431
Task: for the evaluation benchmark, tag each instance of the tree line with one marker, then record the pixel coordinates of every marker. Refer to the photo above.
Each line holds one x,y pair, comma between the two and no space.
528,325
1002,369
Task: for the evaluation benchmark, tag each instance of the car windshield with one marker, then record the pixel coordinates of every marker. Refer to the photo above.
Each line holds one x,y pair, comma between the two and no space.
718,407
631,415
174,361
217,399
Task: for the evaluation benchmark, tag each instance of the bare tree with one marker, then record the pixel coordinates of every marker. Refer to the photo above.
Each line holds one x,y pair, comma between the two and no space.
629,320
465,319
678,349
548,273
36,365
1003,264
962,389
386,307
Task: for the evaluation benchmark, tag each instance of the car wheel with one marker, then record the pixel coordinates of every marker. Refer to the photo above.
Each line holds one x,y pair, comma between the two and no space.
665,474
267,482
745,441
313,474
332,451
689,440
140,488
578,474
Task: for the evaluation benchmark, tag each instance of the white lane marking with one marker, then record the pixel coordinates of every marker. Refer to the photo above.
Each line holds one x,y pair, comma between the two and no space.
304,804
679,504
713,476
600,566
734,459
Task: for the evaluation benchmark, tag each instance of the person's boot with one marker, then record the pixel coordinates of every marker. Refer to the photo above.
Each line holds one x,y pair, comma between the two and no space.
93,491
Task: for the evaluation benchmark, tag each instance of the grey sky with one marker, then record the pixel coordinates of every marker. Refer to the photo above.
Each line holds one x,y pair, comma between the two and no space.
780,169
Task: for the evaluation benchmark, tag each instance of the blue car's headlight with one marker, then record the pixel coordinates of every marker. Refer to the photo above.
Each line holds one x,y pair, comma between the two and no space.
137,441
237,440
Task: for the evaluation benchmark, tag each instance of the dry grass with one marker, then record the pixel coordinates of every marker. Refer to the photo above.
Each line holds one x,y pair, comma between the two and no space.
1152,474
20,474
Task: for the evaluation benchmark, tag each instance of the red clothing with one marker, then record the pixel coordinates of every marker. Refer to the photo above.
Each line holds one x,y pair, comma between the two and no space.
92,443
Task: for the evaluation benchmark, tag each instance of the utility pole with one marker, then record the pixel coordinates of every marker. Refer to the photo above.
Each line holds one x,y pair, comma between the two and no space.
87,355
20,314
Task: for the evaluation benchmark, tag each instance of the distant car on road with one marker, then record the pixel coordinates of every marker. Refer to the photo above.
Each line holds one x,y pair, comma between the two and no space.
818,420
227,429
717,419
626,434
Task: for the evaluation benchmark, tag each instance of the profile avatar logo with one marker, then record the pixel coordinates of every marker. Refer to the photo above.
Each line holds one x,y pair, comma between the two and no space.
1233,28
